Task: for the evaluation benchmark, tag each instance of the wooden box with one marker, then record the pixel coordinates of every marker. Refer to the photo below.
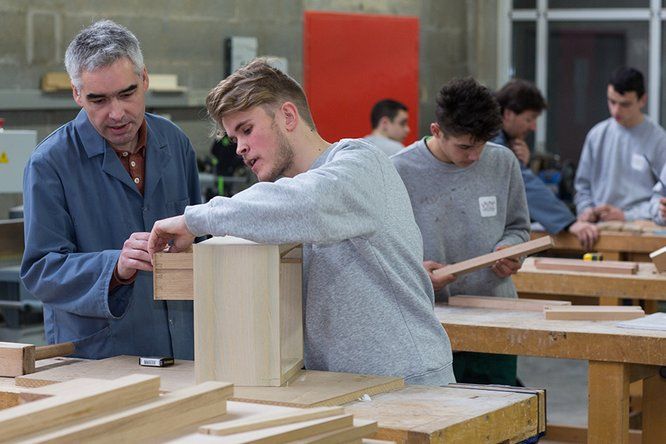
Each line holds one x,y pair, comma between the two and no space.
247,312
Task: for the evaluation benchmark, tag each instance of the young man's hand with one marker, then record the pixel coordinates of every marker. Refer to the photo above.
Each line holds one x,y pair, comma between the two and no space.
439,281
607,212
172,233
134,256
586,233
521,150
506,267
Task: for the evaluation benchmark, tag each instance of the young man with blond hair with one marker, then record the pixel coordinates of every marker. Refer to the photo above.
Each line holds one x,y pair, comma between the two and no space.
368,301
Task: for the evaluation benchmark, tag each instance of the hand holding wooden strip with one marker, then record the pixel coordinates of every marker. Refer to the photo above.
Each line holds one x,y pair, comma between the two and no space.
487,260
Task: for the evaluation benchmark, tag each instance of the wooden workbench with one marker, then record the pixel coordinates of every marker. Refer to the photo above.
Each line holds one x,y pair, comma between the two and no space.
646,284
616,357
407,414
615,245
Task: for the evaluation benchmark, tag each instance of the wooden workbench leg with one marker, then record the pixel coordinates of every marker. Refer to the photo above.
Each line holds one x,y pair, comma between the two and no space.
650,306
608,403
613,256
609,301
654,413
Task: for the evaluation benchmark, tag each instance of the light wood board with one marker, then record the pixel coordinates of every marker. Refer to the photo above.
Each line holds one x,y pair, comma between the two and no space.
172,276
503,303
448,414
593,313
487,260
611,267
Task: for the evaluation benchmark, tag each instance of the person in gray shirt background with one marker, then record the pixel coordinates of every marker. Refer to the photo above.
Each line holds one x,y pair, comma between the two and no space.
389,120
622,158
368,301
469,199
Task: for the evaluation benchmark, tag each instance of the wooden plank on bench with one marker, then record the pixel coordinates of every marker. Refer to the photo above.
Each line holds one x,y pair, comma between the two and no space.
612,267
522,304
593,312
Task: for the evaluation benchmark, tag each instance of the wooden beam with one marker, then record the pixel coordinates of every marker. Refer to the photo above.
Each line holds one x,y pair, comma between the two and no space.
58,410
269,420
612,267
19,359
503,303
658,258
593,312
487,260
171,412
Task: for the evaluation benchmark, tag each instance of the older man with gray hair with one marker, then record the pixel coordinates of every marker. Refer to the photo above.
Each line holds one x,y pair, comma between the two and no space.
92,192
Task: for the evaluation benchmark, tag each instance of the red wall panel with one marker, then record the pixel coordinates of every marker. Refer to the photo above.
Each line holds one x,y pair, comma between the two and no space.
353,60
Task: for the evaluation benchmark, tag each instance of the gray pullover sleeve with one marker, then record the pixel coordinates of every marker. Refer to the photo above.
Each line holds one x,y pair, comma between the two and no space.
330,203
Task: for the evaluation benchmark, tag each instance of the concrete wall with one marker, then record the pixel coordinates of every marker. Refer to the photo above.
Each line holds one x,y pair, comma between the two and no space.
458,38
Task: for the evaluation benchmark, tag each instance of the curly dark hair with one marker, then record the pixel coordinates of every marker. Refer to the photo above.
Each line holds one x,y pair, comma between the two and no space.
467,108
520,95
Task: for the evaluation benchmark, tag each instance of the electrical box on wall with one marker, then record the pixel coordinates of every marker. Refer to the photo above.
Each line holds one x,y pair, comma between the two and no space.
238,51
15,149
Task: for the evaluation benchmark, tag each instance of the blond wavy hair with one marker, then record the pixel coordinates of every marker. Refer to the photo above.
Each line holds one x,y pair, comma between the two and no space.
256,84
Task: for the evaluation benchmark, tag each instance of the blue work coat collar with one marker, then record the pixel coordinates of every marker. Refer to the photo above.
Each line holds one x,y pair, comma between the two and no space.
157,156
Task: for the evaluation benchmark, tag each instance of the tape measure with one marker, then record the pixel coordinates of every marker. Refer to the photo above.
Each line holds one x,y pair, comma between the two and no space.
593,257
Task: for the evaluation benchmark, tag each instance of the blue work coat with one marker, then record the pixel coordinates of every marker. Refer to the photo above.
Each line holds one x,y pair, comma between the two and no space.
542,203
80,205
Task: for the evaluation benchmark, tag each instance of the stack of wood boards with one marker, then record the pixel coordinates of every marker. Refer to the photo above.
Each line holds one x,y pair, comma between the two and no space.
131,409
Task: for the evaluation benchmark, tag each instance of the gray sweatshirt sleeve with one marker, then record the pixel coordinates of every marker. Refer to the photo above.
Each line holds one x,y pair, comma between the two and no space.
582,183
331,203
517,227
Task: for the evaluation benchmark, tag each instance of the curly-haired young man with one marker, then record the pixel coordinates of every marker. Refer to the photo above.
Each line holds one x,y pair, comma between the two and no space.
468,199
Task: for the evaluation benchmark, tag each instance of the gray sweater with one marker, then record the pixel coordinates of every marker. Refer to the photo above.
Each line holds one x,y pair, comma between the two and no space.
368,303
466,212
620,166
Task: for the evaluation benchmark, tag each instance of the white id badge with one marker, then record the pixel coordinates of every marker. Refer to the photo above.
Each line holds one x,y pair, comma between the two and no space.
638,162
488,206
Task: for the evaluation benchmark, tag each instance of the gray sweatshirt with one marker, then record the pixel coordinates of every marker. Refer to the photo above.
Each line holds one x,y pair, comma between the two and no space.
386,145
466,212
620,166
368,303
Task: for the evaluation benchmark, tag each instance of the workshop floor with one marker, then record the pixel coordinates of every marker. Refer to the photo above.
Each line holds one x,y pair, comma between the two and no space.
565,381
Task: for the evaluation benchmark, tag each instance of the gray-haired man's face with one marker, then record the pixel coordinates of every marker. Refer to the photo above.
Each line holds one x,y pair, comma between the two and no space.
114,99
